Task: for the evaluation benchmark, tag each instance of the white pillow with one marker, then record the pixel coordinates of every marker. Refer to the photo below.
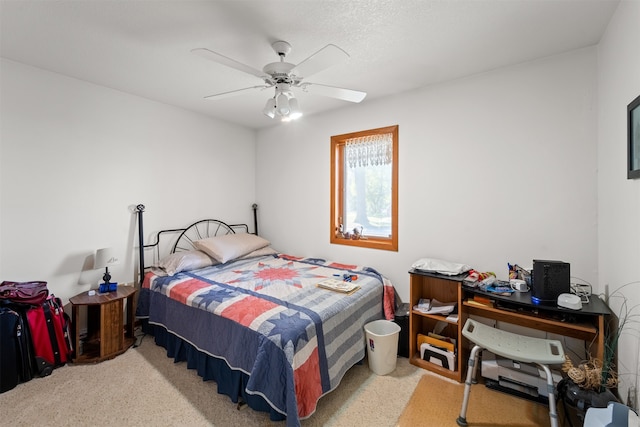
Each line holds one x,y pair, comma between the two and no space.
440,266
184,261
230,246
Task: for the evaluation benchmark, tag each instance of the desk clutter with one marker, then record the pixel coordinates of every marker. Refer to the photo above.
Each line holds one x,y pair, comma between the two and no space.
547,280
548,283
488,282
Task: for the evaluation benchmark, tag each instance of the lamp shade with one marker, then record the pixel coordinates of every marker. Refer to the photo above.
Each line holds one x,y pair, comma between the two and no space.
295,109
283,104
105,258
270,108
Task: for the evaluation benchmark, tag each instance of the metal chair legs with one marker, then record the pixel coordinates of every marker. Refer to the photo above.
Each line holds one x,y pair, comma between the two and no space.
471,375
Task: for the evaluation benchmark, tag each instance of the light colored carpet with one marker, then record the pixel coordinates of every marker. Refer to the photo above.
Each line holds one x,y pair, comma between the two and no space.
436,402
143,387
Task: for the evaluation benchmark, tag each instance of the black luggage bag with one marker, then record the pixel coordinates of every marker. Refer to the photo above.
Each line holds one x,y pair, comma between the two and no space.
16,355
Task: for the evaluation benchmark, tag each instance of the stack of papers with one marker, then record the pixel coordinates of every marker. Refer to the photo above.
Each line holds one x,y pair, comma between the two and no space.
433,306
339,286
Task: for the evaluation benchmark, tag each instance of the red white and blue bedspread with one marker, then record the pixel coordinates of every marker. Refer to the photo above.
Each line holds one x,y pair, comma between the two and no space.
266,317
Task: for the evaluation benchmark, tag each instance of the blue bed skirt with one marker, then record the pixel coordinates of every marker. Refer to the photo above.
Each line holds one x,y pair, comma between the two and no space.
230,382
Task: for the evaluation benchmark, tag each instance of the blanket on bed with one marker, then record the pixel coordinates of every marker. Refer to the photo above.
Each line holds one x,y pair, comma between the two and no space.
267,318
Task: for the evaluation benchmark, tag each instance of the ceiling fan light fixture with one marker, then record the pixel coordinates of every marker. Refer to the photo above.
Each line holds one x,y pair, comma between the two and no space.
294,112
282,103
270,108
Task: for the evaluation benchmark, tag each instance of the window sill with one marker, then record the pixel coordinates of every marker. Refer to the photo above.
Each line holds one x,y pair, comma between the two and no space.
370,242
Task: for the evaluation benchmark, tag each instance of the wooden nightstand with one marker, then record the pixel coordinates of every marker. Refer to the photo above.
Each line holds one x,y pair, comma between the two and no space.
107,335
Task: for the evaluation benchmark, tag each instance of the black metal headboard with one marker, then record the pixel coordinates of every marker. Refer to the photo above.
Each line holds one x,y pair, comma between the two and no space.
196,231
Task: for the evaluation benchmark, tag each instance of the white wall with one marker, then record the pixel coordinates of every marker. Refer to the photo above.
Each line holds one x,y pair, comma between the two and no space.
495,168
76,157
619,198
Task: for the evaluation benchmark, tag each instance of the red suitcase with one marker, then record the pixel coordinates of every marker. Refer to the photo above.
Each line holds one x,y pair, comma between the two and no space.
49,326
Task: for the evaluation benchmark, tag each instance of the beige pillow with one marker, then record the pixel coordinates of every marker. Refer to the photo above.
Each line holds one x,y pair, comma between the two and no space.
267,250
230,246
184,261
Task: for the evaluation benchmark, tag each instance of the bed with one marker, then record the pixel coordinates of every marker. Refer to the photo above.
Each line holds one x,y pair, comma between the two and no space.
253,320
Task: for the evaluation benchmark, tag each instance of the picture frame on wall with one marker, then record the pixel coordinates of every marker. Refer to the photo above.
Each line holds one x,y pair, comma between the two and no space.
633,137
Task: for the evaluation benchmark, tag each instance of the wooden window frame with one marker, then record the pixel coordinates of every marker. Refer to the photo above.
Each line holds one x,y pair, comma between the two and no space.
337,185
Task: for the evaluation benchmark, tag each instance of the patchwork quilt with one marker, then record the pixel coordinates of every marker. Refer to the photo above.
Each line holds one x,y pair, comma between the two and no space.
266,317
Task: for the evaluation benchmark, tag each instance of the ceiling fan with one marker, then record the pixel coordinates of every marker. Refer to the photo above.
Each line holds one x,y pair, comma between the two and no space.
284,76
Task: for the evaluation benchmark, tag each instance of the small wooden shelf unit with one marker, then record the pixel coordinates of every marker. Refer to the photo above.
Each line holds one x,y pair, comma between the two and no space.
107,335
445,289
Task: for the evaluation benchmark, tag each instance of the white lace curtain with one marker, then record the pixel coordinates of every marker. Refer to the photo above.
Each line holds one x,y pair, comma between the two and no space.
370,150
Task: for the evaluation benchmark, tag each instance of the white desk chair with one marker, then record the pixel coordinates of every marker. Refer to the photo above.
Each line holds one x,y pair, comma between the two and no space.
512,346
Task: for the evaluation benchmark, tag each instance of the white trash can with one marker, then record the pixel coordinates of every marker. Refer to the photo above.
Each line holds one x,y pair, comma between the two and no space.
382,345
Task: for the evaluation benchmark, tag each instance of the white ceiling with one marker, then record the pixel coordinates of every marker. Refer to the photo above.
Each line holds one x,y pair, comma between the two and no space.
143,47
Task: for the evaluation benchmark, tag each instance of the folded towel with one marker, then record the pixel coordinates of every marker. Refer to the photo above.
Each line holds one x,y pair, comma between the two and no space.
440,266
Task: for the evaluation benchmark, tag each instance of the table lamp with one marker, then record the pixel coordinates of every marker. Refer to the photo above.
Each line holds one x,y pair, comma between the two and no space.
104,259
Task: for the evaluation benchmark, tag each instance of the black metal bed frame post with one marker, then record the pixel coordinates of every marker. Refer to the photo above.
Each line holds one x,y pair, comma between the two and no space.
255,218
140,209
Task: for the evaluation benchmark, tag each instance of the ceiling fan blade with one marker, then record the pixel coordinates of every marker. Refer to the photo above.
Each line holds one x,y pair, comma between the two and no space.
322,59
221,59
334,92
234,92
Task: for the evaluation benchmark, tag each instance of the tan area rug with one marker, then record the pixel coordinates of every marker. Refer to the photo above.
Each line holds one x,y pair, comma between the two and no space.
436,402
143,387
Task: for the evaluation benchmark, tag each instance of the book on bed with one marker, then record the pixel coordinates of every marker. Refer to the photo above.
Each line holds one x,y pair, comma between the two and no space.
339,286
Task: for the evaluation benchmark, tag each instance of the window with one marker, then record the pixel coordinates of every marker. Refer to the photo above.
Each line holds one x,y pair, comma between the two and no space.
364,189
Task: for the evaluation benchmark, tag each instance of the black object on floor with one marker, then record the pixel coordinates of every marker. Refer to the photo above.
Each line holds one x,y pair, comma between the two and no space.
402,320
